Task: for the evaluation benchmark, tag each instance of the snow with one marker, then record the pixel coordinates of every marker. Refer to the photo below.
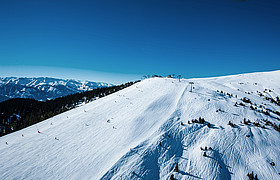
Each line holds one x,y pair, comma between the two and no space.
144,137
43,88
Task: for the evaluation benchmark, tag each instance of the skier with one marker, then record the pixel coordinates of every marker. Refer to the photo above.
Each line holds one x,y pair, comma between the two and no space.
7,143
22,135
38,131
108,121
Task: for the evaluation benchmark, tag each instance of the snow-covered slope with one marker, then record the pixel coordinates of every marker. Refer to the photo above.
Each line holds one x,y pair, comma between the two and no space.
43,88
142,132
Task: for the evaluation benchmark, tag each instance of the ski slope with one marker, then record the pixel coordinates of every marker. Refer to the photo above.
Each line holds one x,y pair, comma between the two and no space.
142,132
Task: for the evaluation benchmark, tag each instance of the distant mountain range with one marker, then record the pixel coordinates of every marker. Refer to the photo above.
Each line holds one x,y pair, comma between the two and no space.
43,88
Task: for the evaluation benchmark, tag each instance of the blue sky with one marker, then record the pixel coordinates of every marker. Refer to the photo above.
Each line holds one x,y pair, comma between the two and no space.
197,38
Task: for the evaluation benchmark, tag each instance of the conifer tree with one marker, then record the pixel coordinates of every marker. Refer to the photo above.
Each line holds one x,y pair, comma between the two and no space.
176,169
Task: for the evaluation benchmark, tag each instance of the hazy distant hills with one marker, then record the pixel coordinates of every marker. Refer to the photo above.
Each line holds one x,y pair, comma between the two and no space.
43,88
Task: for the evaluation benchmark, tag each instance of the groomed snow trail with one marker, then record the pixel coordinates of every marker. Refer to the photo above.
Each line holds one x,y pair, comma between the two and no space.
143,131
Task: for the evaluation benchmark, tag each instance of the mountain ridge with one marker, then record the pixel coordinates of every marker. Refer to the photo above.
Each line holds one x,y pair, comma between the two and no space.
225,128
43,88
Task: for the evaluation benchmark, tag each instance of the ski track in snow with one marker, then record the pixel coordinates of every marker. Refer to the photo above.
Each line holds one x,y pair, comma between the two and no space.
136,133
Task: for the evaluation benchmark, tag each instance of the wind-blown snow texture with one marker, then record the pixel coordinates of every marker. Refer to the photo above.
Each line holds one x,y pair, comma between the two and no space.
43,88
136,133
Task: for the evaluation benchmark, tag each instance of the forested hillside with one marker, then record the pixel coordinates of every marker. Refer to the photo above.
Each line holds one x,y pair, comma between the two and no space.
19,113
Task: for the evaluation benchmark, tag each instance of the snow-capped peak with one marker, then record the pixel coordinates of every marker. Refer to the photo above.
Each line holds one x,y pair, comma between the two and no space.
43,88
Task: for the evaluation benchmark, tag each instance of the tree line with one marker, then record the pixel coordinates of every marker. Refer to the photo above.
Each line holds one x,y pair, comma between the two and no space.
18,113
